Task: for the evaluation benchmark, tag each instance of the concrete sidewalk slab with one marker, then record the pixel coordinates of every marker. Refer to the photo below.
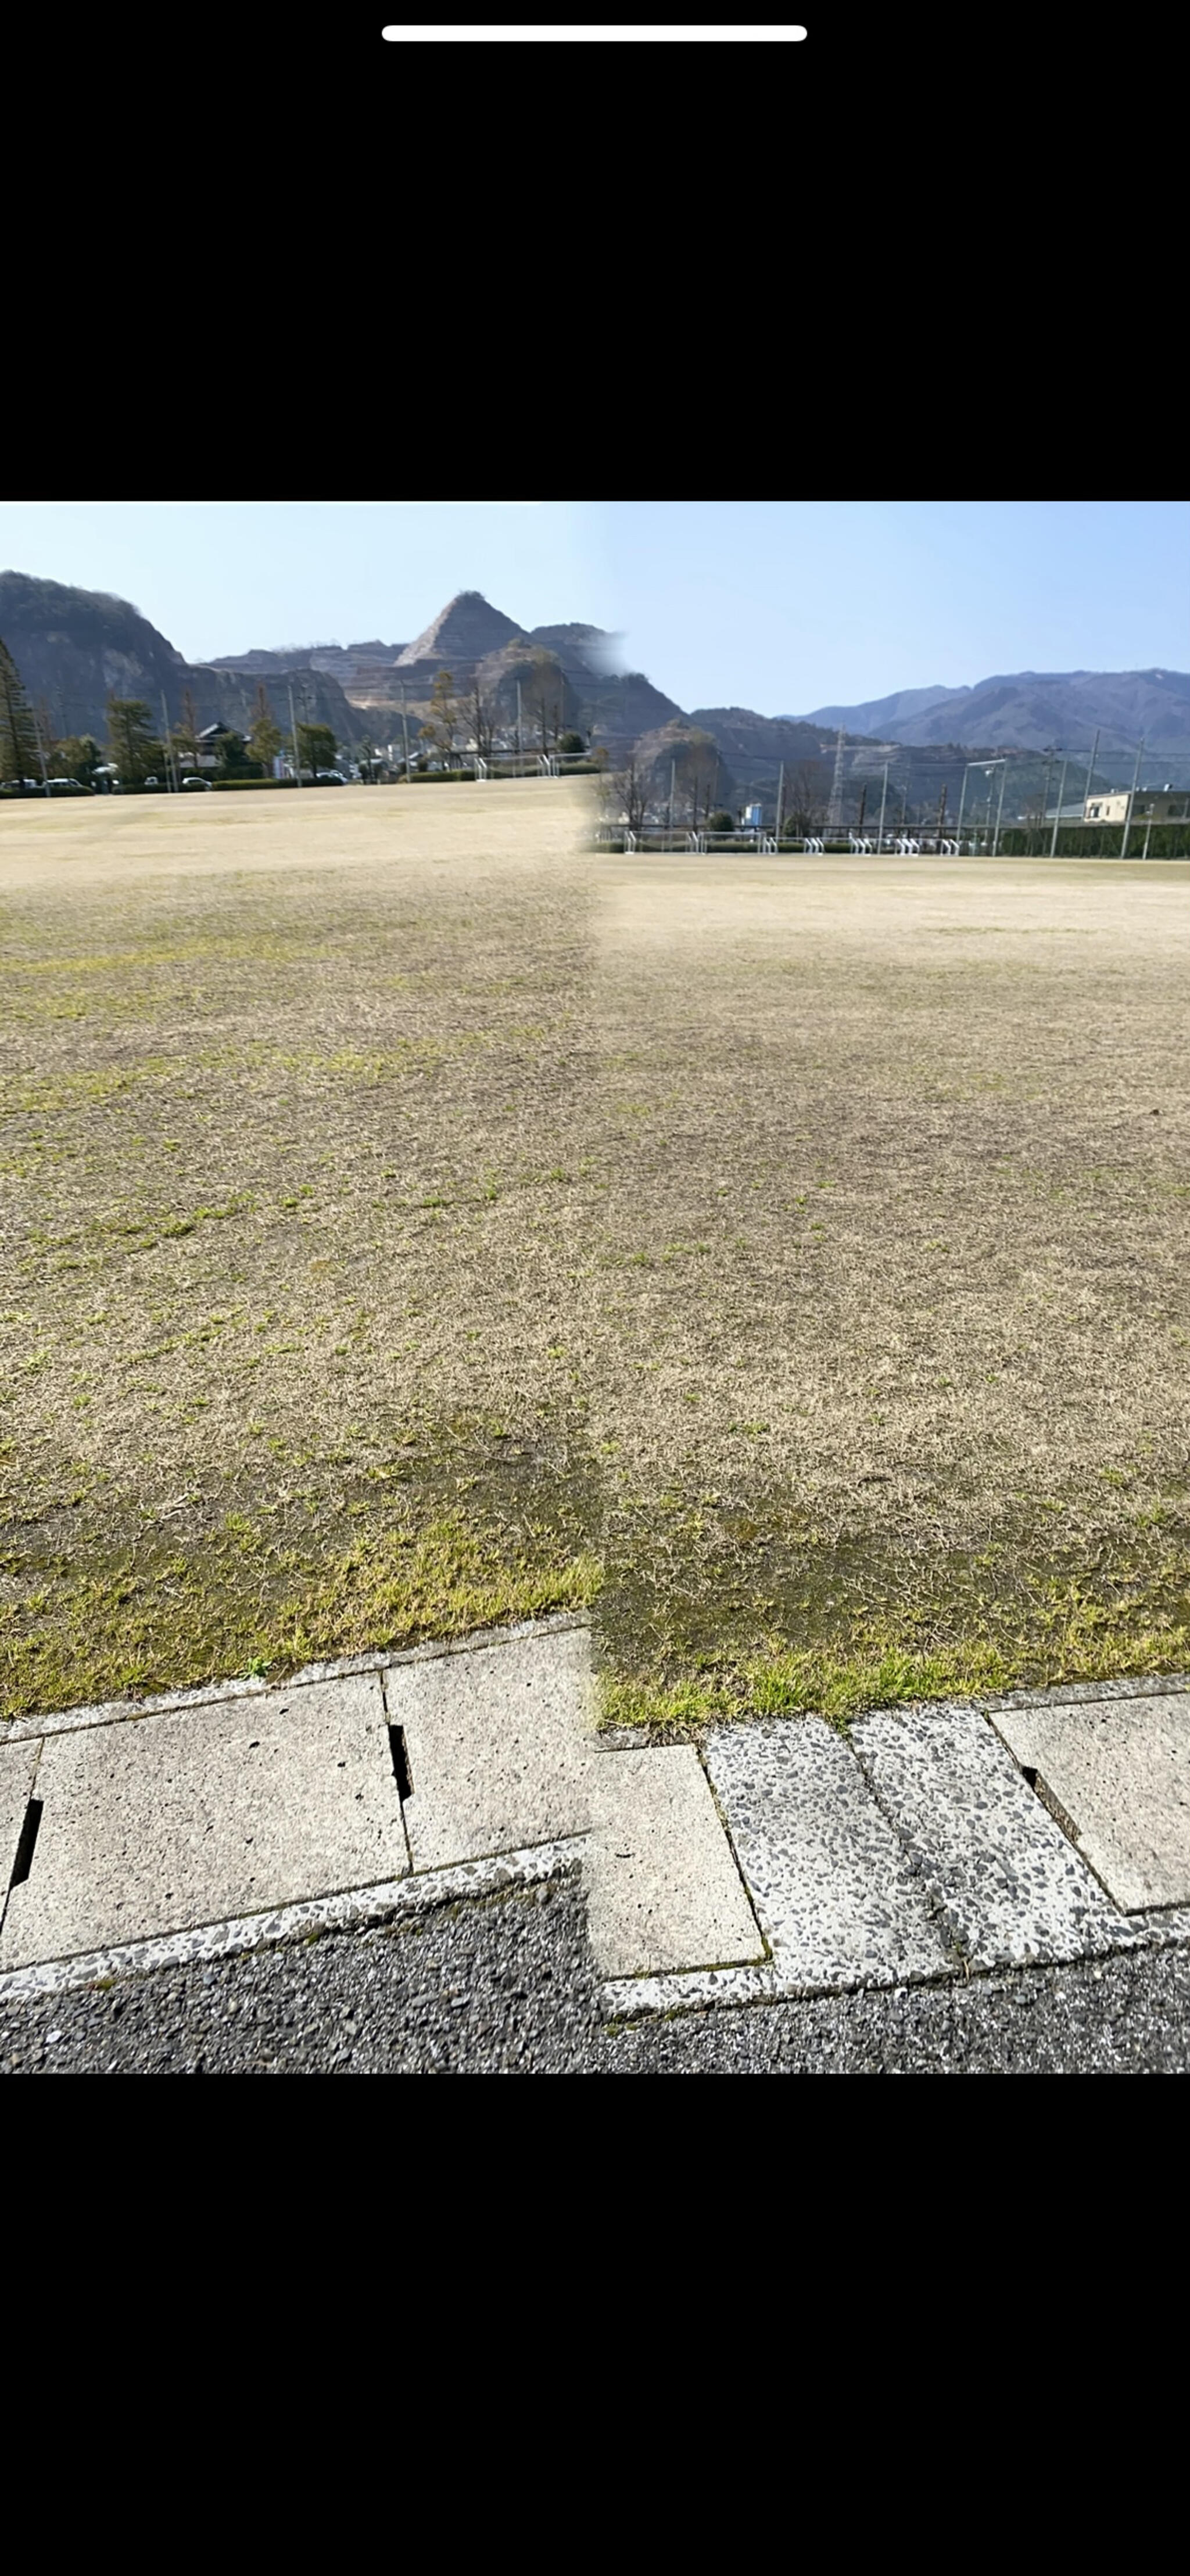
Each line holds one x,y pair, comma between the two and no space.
663,1891
499,1744
166,1822
18,1764
832,1887
1013,1889
1120,1769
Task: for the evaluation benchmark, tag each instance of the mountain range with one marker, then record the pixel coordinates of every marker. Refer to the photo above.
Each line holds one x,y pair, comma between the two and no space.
73,647
1030,710
474,641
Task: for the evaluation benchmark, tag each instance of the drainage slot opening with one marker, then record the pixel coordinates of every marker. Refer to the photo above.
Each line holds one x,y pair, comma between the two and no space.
1053,1805
24,1859
401,1771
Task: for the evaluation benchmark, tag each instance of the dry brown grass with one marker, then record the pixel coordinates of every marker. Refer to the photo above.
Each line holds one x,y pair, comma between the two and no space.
805,1239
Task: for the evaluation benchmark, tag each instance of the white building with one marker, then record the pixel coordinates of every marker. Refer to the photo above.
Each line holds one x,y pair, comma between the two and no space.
1152,805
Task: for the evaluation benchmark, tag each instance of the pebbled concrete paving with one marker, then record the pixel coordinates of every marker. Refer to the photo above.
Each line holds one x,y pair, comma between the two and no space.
839,1901
1010,1886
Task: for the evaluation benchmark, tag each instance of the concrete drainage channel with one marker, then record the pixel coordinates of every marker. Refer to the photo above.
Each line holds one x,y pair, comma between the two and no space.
781,1862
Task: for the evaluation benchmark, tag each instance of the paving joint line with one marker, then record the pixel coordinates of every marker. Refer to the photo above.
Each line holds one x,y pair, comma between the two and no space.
937,1904
755,1967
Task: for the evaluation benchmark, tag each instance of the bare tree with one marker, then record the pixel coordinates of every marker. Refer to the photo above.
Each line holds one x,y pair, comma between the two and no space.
185,731
264,741
48,737
443,725
547,698
697,759
626,792
806,791
481,711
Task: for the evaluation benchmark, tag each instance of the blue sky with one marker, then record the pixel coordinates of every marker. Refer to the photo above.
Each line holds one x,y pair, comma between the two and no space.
778,605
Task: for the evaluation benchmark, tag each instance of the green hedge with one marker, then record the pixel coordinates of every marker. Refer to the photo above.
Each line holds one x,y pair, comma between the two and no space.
1093,841
252,782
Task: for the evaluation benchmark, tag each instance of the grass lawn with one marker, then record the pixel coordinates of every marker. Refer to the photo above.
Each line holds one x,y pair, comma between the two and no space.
413,1221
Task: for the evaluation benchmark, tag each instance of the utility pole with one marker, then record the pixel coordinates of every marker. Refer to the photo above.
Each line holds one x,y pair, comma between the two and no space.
1090,772
518,724
883,797
962,802
297,764
673,771
405,731
1131,799
1045,793
170,777
1058,814
834,820
780,802
942,814
999,809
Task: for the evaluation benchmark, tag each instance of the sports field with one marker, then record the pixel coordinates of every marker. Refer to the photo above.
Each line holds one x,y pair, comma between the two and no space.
412,1220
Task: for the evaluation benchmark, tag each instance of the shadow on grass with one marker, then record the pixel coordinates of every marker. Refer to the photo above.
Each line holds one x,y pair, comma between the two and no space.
694,1628
695,1617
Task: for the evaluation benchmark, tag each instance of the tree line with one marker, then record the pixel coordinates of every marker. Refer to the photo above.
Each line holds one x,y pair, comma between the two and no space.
138,748
32,749
676,779
481,713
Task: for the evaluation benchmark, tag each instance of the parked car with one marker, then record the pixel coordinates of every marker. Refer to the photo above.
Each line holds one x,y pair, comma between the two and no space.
68,787
329,778
197,782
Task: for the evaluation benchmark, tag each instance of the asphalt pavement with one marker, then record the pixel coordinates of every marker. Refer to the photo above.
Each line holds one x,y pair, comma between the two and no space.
507,1985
